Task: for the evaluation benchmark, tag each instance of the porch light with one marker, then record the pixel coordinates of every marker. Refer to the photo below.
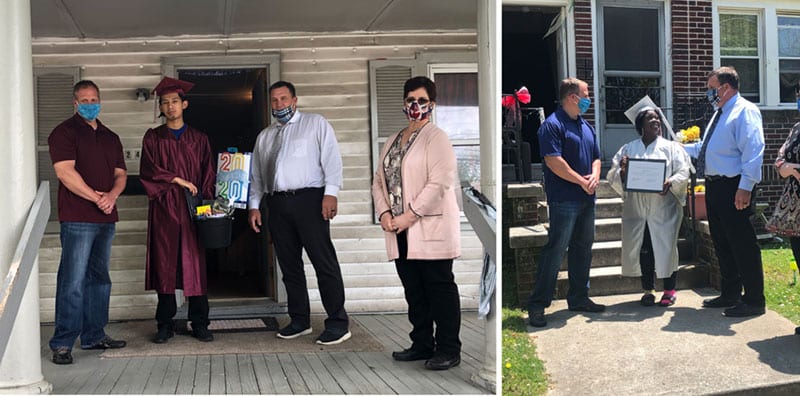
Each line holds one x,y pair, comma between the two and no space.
142,94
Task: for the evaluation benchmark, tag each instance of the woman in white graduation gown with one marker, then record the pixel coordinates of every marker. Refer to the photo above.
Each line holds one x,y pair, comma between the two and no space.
651,220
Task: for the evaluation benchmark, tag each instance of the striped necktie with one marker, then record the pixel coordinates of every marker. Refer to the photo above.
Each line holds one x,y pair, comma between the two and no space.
272,159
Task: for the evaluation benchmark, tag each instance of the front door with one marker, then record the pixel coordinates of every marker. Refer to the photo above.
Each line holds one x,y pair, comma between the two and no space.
631,65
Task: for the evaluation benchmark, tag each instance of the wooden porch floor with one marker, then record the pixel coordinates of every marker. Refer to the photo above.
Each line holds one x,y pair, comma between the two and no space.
279,373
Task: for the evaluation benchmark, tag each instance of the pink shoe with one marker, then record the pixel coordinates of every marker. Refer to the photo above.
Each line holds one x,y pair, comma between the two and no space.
667,300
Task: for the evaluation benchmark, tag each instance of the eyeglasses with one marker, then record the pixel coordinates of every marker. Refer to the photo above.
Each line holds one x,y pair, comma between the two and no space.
421,101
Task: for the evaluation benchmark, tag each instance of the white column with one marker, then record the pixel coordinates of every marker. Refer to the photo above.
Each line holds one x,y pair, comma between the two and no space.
20,367
489,100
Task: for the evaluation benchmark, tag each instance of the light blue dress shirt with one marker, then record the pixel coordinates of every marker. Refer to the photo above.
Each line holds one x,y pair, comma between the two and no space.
737,144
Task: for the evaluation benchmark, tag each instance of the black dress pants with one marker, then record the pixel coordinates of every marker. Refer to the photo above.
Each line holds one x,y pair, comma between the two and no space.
432,297
167,307
647,263
295,222
735,243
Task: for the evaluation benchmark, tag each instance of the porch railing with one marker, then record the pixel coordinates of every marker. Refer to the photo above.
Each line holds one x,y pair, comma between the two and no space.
19,272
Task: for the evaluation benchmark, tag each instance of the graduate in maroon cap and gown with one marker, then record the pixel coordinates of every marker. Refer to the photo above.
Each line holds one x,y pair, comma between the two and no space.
176,158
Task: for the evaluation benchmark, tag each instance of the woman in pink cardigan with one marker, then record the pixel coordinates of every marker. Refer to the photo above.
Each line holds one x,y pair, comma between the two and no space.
415,199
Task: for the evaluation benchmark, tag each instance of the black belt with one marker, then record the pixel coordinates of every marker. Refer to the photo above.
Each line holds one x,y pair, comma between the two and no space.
714,178
289,193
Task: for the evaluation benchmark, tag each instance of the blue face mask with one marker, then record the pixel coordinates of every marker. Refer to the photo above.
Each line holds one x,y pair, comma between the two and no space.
284,115
583,105
89,111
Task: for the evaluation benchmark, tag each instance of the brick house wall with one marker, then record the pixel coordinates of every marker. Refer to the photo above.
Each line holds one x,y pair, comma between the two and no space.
692,60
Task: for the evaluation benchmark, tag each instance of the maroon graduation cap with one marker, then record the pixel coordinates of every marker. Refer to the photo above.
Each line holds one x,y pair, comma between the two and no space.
169,84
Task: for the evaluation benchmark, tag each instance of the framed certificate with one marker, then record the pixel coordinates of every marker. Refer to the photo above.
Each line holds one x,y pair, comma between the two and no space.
646,175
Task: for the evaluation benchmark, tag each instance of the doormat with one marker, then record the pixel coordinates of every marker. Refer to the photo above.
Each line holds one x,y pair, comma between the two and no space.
240,325
139,335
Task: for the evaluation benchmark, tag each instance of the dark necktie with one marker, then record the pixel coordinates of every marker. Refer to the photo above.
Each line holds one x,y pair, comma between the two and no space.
272,158
701,158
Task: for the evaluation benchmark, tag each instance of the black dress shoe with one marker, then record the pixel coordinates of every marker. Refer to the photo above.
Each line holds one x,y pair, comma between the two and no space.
442,362
409,355
589,306
203,334
719,302
537,319
165,332
742,310
62,355
106,343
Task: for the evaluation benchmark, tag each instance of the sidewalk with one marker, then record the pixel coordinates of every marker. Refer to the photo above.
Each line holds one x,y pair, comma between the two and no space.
679,350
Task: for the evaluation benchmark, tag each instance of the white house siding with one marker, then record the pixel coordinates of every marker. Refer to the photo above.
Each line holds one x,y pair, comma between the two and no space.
330,72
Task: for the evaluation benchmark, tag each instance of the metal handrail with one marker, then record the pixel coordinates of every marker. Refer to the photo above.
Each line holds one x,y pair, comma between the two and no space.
19,272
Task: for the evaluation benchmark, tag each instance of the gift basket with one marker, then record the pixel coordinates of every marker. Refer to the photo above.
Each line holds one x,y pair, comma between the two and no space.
213,219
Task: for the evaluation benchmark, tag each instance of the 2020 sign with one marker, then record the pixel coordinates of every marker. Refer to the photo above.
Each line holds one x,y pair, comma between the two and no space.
233,177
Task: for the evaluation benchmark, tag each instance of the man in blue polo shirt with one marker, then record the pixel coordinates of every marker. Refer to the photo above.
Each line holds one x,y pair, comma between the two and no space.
571,154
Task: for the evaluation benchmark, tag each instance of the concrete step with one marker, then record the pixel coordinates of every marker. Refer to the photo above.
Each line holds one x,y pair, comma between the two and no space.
605,208
392,280
604,254
360,256
388,268
528,236
120,238
609,280
604,190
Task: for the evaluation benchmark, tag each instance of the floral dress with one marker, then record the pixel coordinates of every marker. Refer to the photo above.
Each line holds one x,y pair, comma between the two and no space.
786,217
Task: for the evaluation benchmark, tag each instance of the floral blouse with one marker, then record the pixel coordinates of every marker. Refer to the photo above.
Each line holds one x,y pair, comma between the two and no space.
786,217
392,170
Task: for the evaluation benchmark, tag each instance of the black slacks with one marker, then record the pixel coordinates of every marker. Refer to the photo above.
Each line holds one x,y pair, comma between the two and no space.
647,263
167,307
432,296
735,243
295,222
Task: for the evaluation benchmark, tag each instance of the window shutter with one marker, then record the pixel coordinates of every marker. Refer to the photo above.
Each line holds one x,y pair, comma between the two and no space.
52,105
389,81
386,98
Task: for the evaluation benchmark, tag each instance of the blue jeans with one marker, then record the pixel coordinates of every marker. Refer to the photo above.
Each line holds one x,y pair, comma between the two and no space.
84,286
571,231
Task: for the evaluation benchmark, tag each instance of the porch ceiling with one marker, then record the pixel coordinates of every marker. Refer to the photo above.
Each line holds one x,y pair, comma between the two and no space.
148,18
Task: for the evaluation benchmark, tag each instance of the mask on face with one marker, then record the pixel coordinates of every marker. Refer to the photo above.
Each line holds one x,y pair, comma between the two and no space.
284,115
89,111
416,111
583,105
712,94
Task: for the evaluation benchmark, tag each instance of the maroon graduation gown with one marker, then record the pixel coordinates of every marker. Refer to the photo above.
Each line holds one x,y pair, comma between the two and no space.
171,235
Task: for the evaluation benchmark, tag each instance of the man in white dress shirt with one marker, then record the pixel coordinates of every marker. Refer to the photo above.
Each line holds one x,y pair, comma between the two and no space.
297,170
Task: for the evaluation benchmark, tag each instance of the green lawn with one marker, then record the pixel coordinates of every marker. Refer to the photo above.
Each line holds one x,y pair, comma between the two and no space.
524,373
780,287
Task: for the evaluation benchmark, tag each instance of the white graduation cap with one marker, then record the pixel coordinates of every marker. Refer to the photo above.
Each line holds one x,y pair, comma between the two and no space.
646,103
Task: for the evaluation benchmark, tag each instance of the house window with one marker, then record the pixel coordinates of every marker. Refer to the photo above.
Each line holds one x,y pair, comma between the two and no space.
739,47
457,114
763,44
788,56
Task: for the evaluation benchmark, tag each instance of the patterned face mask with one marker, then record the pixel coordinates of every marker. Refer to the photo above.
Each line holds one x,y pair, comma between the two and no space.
417,109
283,115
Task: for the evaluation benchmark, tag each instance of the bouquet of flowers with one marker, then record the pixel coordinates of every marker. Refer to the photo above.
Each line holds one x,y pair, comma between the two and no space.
689,135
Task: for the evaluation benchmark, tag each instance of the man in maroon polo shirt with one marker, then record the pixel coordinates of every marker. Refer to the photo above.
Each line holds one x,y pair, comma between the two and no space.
88,161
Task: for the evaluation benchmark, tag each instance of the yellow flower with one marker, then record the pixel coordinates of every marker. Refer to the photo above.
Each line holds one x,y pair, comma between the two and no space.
689,135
